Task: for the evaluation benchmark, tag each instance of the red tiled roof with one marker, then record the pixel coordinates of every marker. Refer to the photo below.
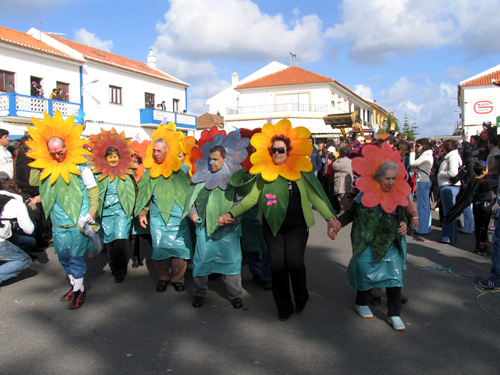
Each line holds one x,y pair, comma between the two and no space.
109,58
207,120
24,40
292,75
483,80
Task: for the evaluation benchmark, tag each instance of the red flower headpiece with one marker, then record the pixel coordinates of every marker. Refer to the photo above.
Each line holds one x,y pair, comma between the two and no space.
368,165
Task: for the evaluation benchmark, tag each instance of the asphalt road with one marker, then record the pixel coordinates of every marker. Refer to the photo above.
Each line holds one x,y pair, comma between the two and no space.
129,328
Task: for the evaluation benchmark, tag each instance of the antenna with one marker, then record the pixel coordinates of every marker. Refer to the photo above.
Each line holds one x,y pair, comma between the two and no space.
294,55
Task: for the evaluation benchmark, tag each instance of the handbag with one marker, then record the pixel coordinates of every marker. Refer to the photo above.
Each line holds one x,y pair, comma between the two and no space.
462,172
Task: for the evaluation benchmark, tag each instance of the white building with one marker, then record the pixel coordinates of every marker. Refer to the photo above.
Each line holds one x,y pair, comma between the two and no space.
278,91
479,100
103,90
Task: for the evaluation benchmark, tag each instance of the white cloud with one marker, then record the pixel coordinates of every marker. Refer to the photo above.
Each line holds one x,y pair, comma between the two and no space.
363,91
379,30
90,39
432,106
237,29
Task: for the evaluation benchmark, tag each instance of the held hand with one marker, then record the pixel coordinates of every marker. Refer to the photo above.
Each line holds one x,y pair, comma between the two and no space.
225,219
333,226
36,199
194,218
92,215
143,221
402,228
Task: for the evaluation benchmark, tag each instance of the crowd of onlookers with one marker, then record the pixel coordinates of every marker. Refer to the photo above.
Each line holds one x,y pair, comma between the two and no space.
57,94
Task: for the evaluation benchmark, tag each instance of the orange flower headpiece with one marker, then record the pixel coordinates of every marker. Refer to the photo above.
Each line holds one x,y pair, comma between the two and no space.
368,165
188,144
171,163
298,157
67,131
101,143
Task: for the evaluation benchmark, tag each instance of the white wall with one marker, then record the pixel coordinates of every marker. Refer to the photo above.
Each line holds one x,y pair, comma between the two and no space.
479,104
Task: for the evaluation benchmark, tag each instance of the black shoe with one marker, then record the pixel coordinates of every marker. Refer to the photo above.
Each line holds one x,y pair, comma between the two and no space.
67,297
161,286
197,301
135,265
119,278
77,300
237,303
179,287
284,317
266,285
404,299
299,306
375,301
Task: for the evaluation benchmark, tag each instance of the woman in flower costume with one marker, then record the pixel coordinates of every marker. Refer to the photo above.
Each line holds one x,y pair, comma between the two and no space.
162,193
68,192
117,191
378,230
284,190
218,250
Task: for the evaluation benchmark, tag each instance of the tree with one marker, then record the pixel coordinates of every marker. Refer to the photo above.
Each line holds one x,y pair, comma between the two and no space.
409,131
392,123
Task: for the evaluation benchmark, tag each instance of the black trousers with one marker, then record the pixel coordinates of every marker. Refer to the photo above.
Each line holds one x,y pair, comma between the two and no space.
393,300
482,216
118,256
287,250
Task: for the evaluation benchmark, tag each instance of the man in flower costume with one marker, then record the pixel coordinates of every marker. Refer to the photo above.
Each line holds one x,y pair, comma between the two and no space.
68,192
378,230
218,250
112,158
284,191
162,193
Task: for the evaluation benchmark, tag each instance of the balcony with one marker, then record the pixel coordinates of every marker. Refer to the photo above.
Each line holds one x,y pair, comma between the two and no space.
23,107
154,117
274,108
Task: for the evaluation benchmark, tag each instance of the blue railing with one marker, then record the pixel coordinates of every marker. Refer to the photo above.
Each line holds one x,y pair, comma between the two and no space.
25,106
157,116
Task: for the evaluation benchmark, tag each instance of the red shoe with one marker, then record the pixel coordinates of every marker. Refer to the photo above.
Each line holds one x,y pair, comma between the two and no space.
68,296
77,300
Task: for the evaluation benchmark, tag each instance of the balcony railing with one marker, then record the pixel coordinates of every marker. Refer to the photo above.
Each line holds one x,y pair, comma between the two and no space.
157,116
24,106
270,108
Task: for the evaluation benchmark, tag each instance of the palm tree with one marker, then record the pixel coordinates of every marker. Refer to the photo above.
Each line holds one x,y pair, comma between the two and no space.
392,123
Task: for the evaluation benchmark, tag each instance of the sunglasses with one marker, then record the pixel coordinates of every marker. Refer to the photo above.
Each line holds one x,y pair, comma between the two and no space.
59,153
279,150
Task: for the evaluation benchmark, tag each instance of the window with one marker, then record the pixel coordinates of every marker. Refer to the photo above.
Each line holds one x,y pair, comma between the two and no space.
149,100
175,105
63,94
7,81
115,95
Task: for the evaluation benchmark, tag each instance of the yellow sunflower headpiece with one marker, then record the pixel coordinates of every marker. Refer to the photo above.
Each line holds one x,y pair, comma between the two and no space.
171,163
101,143
298,157
67,131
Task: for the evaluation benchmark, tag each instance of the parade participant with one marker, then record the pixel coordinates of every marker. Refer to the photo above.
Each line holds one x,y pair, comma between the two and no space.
285,188
218,250
68,192
379,226
117,192
162,193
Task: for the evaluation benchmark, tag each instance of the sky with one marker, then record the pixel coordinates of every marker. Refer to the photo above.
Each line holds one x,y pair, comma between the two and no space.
408,55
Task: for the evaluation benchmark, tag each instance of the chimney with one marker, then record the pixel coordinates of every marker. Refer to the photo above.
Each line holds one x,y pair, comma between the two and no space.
235,79
151,59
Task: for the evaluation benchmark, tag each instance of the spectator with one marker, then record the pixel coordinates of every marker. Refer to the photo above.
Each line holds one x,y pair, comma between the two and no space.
53,94
6,160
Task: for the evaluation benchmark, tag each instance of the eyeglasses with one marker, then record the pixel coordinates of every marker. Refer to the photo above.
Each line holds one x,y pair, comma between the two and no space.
279,150
58,153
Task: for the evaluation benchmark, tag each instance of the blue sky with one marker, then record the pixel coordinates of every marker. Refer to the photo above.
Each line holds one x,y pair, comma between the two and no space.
408,55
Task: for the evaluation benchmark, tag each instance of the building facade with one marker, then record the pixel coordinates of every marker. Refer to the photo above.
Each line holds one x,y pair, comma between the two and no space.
101,89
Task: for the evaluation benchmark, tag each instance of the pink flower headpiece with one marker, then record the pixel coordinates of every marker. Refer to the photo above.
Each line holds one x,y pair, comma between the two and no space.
368,165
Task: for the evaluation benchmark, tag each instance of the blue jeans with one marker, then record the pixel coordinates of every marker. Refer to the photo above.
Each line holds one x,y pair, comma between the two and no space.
73,265
449,232
424,207
468,220
259,263
14,260
25,242
495,257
